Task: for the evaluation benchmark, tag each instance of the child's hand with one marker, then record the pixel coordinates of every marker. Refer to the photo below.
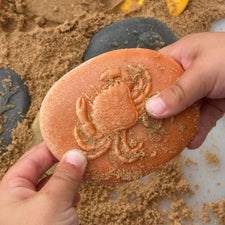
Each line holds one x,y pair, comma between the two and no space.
203,58
26,201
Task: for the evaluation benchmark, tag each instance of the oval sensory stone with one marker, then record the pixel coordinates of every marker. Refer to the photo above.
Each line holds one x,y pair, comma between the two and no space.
99,108
14,104
130,33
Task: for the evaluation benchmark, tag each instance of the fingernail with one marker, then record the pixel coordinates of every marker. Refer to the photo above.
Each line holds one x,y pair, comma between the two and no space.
155,106
76,158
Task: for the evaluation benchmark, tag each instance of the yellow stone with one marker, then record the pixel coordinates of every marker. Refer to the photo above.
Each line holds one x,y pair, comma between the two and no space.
36,131
128,4
176,7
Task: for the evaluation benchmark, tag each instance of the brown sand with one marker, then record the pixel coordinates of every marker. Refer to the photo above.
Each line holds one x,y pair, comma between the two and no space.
205,213
137,202
211,158
218,208
39,44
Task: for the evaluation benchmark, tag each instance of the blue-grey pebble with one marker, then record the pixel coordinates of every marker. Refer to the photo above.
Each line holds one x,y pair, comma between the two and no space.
14,104
130,33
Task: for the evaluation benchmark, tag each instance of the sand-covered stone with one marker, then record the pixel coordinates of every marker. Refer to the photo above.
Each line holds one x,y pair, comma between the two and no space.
14,104
130,33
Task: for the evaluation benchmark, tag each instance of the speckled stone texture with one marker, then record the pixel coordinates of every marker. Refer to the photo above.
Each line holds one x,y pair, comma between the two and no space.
14,104
130,33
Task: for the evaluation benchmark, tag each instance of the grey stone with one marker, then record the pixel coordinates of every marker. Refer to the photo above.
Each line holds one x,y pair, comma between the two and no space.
14,104
130,33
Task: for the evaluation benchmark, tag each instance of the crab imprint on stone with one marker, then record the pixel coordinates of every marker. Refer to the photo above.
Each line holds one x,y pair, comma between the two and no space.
116,108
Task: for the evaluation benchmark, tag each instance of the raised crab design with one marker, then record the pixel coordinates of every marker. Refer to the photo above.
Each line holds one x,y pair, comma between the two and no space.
115,110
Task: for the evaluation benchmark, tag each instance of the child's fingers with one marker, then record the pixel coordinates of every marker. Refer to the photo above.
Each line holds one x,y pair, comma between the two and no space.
189,88
62,187
211,111
42,182
184,51
27,171
45,180
33,149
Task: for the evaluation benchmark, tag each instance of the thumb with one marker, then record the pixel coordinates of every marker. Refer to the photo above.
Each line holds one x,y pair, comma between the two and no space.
65,181
186,90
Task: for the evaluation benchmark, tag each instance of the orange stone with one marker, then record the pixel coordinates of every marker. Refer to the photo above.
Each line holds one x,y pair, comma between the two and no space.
99,108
